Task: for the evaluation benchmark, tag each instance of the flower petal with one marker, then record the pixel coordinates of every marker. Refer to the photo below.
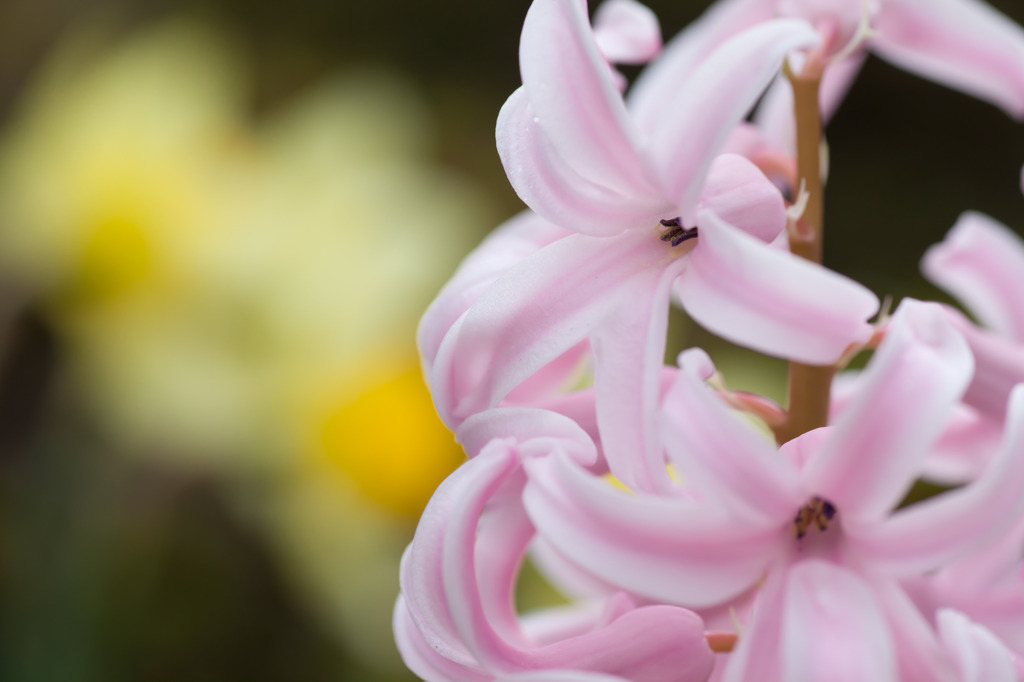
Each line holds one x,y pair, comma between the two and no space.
724,458
704,112
537,432
964,44
878,445
573,95
998,367
741,195
981,262
626,32
421,658
553,186
979,655
770,300
833,628
931,533
669,549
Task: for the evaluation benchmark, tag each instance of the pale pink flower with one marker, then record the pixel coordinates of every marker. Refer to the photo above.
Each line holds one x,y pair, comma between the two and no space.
576,157
815,522
456,619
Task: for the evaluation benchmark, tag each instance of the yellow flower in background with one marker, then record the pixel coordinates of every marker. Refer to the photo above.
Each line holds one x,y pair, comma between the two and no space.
241,298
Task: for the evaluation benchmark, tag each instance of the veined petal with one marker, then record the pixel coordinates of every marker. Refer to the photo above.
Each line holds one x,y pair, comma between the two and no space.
770,300
878,444
725,459
629,347
978,654
537,432
964,44
981,262
539,309
931,533
423,576
741,195
666,548
553,187
573,95
998,367
705,111
759,653
833,628
654,87
626,32
514,240
421,657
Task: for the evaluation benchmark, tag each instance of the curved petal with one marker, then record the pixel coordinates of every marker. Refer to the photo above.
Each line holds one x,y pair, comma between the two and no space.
423,572
928,534
878,444
715,99
978,654
651,91
919,653
626,32
741,195
965,448
770,300
537,433
573,96
725,459
511,242
964,44
668,549
554,187
998,367
559,676
629,347
536,311
421,658
833,628
759,653
981,262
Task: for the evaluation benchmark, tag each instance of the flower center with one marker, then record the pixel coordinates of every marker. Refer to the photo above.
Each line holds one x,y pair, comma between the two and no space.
676,233
817,512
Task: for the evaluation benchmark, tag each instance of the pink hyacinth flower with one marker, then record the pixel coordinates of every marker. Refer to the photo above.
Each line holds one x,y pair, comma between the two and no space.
575,156
456,620
815,523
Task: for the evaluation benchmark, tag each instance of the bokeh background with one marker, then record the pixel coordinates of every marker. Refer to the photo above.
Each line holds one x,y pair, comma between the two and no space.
219,222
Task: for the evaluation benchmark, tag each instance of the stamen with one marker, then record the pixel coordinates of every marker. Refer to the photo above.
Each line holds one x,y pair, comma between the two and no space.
818,512
677,234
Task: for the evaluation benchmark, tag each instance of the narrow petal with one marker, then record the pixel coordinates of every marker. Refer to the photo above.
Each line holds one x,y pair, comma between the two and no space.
554,187
759,653
537,432
626,32
931,533
536,311
833,628
724,19
629,347
978,654
742,196
998,367
981,262
965,448
511,242
572,93
769,300
878,445
719,454
421,658
704,112
919,653
668,549
964,44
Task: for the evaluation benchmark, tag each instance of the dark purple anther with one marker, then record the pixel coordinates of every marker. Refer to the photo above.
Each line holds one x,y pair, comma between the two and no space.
827,510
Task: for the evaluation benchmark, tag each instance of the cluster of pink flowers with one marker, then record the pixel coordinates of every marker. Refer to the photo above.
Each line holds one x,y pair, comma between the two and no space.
705,533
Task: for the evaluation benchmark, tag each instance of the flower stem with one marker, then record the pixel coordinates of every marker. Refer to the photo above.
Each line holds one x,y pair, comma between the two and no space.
809,385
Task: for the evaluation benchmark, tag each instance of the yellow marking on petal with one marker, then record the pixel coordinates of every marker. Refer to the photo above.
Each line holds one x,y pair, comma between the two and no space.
616,483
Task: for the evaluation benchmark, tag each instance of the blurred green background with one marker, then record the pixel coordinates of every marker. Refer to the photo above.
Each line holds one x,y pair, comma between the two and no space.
219,222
